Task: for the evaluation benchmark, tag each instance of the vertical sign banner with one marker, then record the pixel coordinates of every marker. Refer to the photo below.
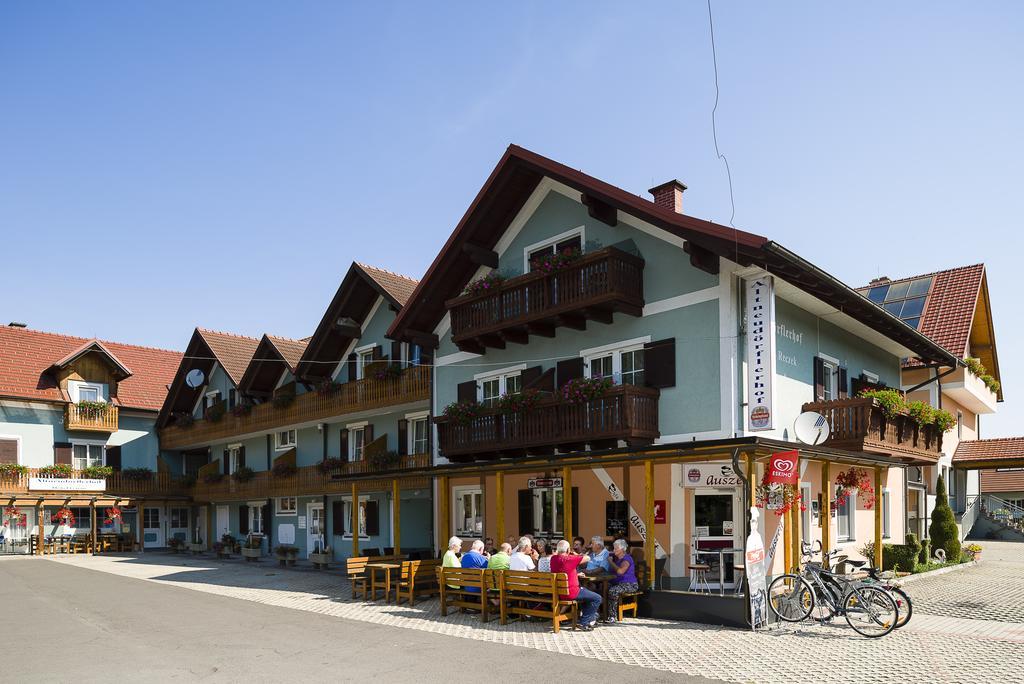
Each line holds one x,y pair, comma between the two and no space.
757,589
760,353
783,468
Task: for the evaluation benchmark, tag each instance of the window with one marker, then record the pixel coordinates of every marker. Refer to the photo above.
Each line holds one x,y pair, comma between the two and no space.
234,457
419,434
829,379
364,357
886,514
212,398
549,511
805,512
256,519
622,362
178,518
491,387
88,393
632,363
566,241
232,398
86,455
469,511
915,474
356,443
284,439
287,505
845,517
904,299
363,504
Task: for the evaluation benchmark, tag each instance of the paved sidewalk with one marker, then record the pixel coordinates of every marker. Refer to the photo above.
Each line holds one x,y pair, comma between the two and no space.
931,652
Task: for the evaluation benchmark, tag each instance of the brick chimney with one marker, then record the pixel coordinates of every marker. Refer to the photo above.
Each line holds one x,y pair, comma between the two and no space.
669,195
879,281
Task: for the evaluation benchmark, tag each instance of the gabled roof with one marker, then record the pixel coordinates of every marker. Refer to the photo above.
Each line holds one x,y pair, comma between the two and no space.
348,310
93,345
1007,452
272,357
27,358
517,175
289,349
232,351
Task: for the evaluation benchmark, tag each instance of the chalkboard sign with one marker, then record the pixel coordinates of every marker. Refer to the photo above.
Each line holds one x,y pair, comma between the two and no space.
616,514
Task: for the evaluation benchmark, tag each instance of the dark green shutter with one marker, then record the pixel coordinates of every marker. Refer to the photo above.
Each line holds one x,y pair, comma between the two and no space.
819,379
403,437
114,458
525,511
243,520
660,363
337,518
372,519
569,369
467,391
844,385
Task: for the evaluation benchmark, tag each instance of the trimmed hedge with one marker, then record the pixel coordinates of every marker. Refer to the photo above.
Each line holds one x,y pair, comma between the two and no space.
943,531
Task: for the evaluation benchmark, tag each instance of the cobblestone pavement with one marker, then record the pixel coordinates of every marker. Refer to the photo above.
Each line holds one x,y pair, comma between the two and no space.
935,649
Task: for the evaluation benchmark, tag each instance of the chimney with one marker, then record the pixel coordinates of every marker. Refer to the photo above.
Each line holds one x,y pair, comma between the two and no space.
669,195
16,324
882,280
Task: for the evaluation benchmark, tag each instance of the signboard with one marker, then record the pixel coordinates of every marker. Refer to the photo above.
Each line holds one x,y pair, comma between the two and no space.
760,311
634,519
659,511
544,483
616,519
286,533
302,522
709,475
727,528
782,468
66,484
753,560
702,531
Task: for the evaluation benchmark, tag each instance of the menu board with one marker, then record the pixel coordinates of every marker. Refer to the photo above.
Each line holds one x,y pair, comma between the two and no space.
616,515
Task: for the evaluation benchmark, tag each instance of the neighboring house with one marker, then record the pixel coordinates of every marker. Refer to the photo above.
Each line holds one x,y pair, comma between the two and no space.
952,307
553,279
277,431
82,405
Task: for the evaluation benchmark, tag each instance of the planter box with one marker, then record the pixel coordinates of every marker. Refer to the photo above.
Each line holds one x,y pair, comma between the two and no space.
251,554
195,548
320,560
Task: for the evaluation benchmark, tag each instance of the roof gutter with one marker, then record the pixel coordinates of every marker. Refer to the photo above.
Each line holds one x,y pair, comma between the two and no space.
936,352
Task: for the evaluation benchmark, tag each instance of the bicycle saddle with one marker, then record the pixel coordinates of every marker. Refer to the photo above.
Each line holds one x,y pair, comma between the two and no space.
856,563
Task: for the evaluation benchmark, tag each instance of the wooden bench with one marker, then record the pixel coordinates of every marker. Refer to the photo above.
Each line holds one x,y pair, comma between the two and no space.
456,588
355,570
537,594
631,600
417,578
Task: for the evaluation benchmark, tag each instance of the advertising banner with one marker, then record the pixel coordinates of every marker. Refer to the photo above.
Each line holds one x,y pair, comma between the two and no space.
709,475
760,340
66,484
757,589
782,468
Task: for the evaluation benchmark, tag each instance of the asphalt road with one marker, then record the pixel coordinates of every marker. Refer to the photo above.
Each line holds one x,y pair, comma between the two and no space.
69,624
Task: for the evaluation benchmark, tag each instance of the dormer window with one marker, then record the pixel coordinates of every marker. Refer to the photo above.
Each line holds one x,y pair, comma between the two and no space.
85,391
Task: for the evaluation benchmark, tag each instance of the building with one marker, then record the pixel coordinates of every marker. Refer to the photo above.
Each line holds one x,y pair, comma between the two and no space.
77,431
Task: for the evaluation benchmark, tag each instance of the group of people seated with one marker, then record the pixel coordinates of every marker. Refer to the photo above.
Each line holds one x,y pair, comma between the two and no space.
573,559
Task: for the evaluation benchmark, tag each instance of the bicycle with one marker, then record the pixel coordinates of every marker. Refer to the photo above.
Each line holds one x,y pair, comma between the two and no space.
903,602
869,609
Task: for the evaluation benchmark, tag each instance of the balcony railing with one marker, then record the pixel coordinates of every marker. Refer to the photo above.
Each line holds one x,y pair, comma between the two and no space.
116,485
859,424
306,480
90,418
593,287
411,386
626,412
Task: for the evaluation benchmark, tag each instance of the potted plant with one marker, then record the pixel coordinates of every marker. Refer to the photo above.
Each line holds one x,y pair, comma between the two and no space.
92,410
225,546
241,409
321,555
391,371
855,480
779,498
97,472
243,474
12,470
64,516
196,545
137,474
284,469
385,460
61,470
175,545
327,387
184,420
583,390
283,400
213,478
974,551
330,465
286,554
216,412
462,412
488,283
519,402
252,549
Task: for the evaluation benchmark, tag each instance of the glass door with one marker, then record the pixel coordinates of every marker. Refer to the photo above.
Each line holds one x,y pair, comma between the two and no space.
714,525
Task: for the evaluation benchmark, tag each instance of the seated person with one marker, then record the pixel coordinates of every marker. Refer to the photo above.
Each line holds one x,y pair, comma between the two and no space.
502,559
598,557
624,581
579,545
451,556
589,601
476,557
523,558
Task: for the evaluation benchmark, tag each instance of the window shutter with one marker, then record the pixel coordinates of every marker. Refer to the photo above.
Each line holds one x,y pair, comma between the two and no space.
113,458
843,384
575,510
231,398
396,351
265,512
378,352
8,451
344,445
403,437
338,517
529,376
819,379
569,369
372,519
545,382
62,453
227,462
467,391
426,356
352,367
241,457
367,434
525,511
243,520
660,363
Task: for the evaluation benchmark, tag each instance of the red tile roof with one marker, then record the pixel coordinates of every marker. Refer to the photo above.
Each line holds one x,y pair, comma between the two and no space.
232,351
1004,449
26,355
290,350
398,286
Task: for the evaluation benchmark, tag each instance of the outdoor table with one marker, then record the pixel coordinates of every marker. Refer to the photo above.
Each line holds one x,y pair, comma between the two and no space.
602,579
385,568
721,563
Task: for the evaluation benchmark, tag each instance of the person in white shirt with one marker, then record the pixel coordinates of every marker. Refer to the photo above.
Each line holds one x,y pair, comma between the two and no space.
522,559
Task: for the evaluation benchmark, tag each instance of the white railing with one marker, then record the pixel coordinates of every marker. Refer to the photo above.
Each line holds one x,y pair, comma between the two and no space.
969,516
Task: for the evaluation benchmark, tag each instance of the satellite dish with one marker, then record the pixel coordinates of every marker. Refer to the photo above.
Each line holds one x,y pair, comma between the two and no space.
195,378
811,428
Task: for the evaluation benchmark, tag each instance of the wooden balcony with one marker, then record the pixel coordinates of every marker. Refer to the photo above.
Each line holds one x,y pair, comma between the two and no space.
411,386
159,484
592,288
307,480
626,413
90,419
860,425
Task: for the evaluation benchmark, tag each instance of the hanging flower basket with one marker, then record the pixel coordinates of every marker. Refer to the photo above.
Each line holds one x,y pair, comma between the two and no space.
64,516
855,480
462,412
92,410
779,498
549,263
113,516
583,390
13,515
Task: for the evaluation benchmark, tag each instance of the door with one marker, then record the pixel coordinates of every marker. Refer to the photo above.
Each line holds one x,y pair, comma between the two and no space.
177,523
315,527
714,522
199,530
223,523
152,529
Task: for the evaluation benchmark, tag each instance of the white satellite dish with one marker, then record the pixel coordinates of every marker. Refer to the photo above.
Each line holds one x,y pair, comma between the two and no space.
195,378
811,428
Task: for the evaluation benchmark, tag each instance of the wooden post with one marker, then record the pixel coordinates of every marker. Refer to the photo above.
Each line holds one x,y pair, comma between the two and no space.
396,520
878,517
787,542
92,518
499,504
139,509
41,533
752,474
355,519
649,519
567,503
443,514
826,510
211,512
794,513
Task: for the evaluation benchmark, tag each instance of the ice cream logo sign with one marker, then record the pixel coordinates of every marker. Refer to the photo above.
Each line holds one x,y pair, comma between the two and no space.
760,339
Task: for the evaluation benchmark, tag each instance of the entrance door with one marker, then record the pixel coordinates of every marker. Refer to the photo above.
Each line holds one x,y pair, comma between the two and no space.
199,529
714,523
177,523
915,511
315,527
223,523
152,530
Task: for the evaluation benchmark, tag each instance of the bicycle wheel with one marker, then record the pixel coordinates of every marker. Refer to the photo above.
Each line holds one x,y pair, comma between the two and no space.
870,611
790,598
903,604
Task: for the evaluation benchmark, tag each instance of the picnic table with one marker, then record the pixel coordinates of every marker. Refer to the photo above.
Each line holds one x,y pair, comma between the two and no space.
385,568
600,579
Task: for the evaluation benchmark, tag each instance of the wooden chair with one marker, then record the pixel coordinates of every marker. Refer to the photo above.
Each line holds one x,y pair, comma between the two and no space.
631,601
537,594
698,568
79,543
355,569
417,578
456,589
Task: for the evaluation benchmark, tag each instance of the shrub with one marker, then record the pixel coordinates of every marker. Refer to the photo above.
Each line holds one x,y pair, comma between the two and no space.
943,531
137,474
97,472
922,556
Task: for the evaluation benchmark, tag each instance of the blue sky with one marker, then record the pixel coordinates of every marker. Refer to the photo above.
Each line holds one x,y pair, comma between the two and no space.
167,165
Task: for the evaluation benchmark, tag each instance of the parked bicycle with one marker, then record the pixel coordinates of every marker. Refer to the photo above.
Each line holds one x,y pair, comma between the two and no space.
868,608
